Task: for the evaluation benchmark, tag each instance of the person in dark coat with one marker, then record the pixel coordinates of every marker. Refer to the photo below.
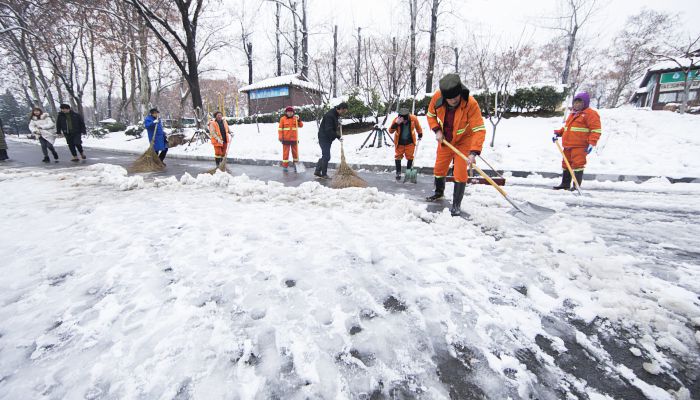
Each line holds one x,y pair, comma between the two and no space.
71,125
3,144
153,125
327,133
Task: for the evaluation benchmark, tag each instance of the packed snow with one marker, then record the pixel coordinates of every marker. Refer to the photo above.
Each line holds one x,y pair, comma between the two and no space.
214,286
634,142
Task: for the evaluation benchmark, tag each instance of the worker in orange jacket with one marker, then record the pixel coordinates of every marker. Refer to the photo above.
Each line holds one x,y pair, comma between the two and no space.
454,116
404,128
289,136
220,136
580,135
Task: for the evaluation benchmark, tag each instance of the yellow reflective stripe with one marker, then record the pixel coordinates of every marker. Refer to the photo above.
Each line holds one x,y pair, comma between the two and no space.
478,128
429,114
461,131
597,130
575,129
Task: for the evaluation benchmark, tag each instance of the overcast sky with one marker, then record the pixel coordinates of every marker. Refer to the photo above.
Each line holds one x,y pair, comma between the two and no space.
504,18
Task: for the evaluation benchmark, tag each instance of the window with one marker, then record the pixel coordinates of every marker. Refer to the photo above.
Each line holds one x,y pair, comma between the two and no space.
667,97
692,95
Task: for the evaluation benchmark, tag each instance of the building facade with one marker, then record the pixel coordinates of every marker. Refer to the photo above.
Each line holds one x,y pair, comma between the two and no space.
275,94
663,85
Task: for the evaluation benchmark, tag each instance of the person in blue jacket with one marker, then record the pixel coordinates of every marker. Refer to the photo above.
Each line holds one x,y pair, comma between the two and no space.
152,123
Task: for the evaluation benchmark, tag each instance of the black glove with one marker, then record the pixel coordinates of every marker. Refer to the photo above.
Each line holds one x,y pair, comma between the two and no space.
420,136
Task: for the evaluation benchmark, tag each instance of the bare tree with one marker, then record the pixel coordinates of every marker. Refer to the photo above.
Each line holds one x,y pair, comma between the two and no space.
335,61
632,49
434,13
278,33
684,53
496,66
413,7
574,15
190,12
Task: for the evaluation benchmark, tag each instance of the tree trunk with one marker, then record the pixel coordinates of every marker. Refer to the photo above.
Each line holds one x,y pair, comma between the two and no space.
44,82
414,15
304,41
295,49
122,76
456,60
145,81
433,44
686,92
278,53
92,75
359,55
109,95
393,89
335,61
569,55
250,62
132,87
57,85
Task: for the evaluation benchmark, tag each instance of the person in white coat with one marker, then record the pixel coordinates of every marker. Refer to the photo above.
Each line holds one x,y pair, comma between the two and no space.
43,126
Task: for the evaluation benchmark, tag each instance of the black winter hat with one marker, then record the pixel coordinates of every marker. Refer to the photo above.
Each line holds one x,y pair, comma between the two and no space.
451,86
342,106
153,110
64,106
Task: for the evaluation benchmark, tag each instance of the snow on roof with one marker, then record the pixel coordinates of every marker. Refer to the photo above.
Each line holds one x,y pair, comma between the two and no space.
668,65
284,80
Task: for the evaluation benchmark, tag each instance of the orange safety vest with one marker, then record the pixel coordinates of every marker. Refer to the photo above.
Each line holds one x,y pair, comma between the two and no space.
415,126
287,130
468,123
217,139
581,129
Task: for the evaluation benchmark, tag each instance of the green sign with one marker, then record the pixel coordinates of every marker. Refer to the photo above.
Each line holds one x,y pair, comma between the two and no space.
673,77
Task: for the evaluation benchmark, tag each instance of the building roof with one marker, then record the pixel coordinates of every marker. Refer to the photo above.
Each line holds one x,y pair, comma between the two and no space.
666,66
284,80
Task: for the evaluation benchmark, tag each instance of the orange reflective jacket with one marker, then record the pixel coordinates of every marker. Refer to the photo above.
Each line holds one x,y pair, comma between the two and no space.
415,126
287,130
217,138
581,129
468,123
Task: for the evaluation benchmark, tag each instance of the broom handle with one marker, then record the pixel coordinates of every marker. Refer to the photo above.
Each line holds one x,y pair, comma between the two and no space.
477,169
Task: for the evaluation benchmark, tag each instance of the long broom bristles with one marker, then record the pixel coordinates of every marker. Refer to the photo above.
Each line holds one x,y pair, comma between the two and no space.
222,164
148,161
345,177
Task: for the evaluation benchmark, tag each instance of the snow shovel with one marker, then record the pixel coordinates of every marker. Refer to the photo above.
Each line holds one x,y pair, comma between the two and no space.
568,166
298,165
527,212
412,173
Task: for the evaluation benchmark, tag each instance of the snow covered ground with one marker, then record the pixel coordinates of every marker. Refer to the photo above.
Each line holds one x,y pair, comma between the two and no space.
214,287
634,142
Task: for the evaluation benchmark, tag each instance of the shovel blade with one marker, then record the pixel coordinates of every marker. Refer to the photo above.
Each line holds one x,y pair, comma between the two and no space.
530,213
411,175
299,167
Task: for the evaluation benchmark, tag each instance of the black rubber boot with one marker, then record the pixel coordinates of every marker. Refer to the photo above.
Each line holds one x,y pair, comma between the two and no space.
457,196
46,160
579,178
398,169
55,156
439,190
565,181
217,160
409,164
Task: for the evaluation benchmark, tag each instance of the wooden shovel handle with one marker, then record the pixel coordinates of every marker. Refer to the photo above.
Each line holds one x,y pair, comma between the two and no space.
477,169
568,166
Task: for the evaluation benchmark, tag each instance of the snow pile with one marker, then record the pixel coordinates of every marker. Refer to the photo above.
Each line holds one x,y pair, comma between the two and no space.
216,286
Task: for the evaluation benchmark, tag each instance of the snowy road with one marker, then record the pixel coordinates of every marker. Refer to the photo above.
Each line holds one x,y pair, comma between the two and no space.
228,287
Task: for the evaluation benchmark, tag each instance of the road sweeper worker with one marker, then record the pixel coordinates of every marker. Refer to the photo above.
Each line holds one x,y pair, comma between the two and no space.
154,125
454,116
71,125
289,136
404,128
579,135
327,133
220,136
